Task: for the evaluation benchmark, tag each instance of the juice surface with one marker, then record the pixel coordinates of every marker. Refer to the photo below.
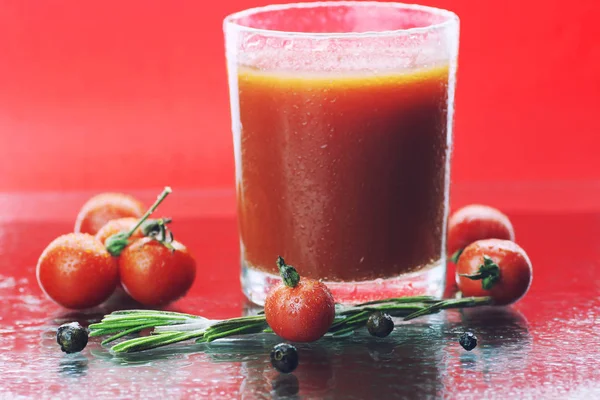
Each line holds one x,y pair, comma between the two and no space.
342,175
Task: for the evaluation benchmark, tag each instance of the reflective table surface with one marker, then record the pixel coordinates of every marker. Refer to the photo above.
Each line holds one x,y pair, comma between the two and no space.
546,346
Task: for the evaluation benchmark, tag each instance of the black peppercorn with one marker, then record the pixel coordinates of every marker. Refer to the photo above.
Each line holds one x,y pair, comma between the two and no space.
468,341
284,358
380,324
72,337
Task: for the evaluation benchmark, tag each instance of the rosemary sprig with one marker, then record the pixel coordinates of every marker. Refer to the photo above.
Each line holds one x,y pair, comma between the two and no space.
464,302
173,327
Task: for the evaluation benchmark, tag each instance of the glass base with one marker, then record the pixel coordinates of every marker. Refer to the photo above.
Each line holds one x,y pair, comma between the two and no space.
429,281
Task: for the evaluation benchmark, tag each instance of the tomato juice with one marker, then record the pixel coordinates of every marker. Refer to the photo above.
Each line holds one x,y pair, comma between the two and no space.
343,174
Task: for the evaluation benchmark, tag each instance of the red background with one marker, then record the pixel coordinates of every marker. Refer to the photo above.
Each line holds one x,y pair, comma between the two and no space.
133,94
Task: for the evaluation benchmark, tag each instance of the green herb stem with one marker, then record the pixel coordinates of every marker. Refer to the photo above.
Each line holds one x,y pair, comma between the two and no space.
154,341
127,332
239,330
399,300
465,302
171,327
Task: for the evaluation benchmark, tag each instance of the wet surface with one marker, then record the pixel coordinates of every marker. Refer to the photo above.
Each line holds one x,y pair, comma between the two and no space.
546,346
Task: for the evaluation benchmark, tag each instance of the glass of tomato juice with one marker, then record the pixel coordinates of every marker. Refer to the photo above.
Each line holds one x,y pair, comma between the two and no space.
342,125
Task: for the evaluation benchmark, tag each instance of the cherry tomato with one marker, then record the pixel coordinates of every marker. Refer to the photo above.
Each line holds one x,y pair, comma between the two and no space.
100,209
119,225
155,275
76,271
477,222
299,309
493,267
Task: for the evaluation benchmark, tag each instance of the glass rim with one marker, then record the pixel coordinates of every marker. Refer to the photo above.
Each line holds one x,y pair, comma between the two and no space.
450,18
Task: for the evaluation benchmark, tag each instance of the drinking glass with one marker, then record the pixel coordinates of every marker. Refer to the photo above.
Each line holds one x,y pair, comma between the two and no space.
342,117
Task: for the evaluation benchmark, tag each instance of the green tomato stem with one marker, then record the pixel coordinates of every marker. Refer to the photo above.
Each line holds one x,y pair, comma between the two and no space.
116,243
288,273
166,191
488,273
